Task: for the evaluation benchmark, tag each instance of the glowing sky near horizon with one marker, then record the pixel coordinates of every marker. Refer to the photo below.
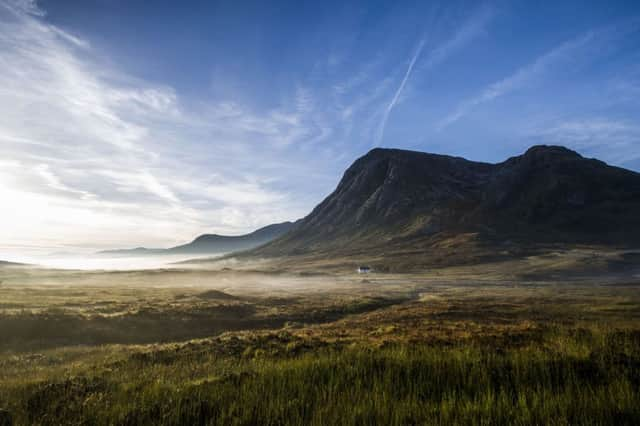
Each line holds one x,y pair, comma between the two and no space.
124,124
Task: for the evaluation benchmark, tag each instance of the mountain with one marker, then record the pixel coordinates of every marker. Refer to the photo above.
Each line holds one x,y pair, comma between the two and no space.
213,243
392,202
5,264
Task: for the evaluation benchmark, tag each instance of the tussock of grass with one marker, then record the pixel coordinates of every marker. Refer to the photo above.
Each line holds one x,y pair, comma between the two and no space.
465,348
585,377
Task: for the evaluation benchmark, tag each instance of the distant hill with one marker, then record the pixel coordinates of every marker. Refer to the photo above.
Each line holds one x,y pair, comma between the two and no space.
4,263
213,243
392,202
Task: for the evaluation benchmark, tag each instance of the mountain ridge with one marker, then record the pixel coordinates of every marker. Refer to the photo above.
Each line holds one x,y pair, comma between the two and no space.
390,197
213,243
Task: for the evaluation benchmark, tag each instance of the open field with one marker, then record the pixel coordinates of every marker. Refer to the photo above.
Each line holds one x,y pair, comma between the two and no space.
498,343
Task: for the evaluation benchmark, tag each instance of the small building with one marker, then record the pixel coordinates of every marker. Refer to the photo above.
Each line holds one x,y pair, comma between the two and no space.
364,269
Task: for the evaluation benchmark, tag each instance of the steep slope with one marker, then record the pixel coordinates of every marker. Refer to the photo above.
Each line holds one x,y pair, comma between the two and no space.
213,243
391,199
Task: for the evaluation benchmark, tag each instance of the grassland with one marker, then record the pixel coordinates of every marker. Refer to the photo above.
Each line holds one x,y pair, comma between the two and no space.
485,344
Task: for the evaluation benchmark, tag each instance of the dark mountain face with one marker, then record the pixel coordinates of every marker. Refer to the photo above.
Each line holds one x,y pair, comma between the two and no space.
214,244
548,194
558,195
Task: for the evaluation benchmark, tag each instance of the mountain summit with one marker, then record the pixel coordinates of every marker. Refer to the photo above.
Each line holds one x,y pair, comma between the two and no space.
390,197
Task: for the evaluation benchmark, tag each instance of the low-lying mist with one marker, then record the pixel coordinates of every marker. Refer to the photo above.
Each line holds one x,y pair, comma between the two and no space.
102,262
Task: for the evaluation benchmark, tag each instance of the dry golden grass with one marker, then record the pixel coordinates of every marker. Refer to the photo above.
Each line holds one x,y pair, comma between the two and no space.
501,342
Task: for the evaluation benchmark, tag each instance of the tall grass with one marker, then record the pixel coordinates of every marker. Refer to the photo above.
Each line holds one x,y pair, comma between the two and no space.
590,377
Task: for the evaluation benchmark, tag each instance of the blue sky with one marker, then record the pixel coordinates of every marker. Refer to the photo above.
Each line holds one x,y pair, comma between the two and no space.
126,123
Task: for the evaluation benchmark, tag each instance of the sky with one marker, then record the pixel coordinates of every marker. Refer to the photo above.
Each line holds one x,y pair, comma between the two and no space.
128,123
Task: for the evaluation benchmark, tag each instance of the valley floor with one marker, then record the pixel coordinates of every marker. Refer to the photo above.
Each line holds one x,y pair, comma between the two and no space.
489,344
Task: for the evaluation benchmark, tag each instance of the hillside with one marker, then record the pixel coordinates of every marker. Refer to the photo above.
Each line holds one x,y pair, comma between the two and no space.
213,243
393,201
4,263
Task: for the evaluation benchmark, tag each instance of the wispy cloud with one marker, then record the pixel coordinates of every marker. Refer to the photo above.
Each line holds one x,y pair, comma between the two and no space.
612,140
464,34
125,158
53,182
23,6
467,32
516,80
584,46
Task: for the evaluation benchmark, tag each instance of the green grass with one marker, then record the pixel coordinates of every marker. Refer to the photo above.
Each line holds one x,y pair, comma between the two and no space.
585,377
37,318
458,348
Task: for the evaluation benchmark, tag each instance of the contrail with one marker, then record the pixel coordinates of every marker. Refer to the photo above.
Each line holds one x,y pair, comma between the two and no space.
471,28
396,96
